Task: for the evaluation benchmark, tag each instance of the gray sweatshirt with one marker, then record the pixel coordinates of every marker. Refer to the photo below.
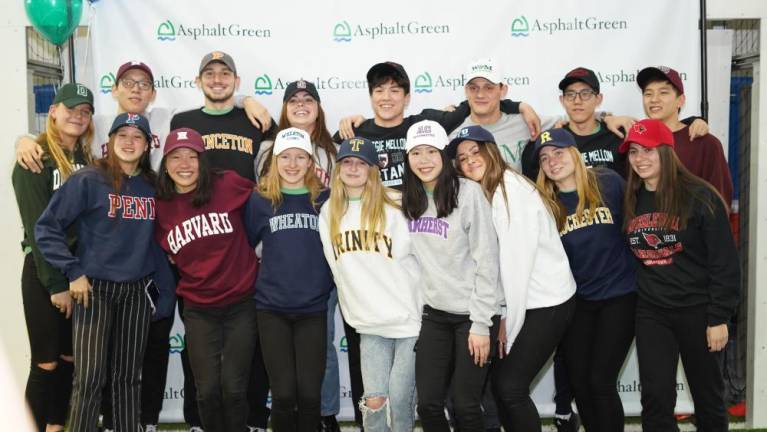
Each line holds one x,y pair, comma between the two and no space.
459,257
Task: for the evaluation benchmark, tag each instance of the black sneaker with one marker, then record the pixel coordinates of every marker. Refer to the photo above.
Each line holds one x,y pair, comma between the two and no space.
570,425
328,424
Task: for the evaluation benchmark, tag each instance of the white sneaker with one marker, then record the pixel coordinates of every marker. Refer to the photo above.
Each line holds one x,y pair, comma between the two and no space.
196,429
150,428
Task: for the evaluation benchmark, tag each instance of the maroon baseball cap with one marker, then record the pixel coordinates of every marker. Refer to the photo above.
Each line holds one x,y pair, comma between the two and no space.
660,73
648,133
134,65
183,137
580,74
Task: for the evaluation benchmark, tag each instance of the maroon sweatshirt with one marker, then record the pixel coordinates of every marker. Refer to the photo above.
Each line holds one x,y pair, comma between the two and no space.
704,157
209,244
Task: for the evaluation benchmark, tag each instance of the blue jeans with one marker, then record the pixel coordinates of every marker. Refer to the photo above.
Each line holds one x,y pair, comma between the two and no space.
331,385
388,370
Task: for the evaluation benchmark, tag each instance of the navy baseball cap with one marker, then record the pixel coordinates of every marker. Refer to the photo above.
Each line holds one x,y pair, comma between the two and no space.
556,137
359,148
301,85
472,133
134,120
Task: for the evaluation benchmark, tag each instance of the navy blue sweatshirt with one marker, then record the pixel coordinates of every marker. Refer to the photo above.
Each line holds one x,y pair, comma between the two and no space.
600,259
114,231
294,276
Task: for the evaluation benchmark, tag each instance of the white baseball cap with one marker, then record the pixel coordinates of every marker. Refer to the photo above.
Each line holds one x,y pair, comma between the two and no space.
483,68
292,138
426,132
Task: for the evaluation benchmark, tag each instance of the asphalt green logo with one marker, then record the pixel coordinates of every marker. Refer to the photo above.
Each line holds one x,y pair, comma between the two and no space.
520,27
177,343
342,32
106,83
343,345
423,83
166,31
263,85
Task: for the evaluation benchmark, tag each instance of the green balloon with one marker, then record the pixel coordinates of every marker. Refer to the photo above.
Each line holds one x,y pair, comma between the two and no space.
56,20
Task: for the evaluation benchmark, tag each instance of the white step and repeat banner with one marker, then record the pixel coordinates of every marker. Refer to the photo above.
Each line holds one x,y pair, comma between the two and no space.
333,43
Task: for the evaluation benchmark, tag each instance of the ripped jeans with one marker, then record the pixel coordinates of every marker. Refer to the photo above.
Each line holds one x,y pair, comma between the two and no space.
388,371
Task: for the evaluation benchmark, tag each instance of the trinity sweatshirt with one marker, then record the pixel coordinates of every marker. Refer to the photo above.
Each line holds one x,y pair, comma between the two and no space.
378,283
601,262
294,275
209,244
535,272
697,265
114,229
459,256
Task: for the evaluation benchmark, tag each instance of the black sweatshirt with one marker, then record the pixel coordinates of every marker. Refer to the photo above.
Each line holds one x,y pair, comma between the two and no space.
697,265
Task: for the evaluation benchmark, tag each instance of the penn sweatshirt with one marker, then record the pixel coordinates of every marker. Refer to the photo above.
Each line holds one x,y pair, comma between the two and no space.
535,272
459,256
378,284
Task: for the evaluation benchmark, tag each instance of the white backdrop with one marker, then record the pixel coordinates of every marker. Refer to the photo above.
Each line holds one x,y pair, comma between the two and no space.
333,43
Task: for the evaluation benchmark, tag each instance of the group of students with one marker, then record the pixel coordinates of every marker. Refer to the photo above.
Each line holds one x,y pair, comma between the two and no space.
457,276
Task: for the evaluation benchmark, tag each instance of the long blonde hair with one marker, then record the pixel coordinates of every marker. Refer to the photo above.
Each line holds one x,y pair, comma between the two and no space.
374,198
586,185
269,186
50,141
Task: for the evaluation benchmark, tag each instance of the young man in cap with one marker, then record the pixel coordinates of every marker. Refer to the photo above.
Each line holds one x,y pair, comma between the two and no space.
663,98
232,142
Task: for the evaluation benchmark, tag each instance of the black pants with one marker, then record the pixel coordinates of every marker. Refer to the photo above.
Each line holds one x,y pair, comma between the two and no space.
541,333
595,347
50,337
444,366
355,369
662,336
294,355
117,316
154,374
220,341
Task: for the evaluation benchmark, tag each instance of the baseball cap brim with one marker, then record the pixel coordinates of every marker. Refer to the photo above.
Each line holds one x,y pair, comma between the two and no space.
452,147
643,141
493,78
569,80
74,101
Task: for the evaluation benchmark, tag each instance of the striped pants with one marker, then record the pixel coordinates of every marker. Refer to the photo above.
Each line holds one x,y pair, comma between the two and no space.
117,318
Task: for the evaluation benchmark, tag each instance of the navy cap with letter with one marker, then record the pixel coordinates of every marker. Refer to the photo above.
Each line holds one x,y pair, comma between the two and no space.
556,137
133,120
359,148
301,85
74,94
469,133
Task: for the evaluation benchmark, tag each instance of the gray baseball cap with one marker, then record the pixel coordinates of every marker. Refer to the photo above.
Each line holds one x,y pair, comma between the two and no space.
218,56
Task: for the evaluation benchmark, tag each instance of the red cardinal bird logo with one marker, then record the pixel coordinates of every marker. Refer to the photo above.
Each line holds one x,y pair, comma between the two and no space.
652,240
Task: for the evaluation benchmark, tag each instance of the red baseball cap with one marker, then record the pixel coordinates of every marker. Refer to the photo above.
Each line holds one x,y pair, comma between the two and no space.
660,73
648,133
134,65
183,137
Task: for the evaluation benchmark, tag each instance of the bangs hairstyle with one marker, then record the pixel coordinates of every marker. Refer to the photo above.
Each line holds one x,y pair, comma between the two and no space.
269,186
166,188
675,194
414,198
375,197
586,186
50,141
320,138
110,165
381,78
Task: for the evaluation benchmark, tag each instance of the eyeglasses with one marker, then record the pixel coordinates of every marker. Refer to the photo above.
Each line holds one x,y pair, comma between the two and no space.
142,85
583,94
79,112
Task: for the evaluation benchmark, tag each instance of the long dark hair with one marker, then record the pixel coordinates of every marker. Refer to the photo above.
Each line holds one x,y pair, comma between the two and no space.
676,192
166,188
110,165
320,138
414,199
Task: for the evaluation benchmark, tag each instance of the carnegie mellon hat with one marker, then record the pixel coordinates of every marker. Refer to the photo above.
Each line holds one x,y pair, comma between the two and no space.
648,133
660,73
301,85
580,74
220,57
133,120
360,148
74,94
471,133
184,137
426,132
556,137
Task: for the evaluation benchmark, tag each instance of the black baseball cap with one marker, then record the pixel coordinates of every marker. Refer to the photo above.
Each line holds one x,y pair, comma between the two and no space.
301,85
359,148
472,133
388,68
580,74
74,94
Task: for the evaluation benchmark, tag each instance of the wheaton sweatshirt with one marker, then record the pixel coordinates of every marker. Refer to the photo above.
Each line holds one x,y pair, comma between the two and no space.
294,275
459,256
378,284
535,272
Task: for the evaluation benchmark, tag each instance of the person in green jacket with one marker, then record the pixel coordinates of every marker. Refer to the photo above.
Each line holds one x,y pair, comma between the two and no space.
45,290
